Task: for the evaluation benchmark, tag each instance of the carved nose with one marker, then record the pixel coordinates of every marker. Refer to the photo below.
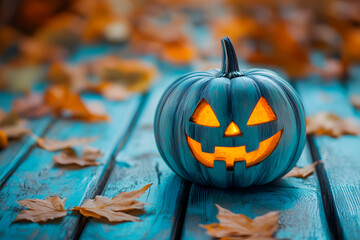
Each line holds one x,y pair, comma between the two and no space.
232,130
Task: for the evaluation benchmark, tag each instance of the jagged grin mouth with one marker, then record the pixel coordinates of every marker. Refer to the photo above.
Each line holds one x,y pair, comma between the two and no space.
234,154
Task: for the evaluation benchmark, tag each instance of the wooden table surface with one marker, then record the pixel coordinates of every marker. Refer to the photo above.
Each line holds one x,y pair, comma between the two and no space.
324,206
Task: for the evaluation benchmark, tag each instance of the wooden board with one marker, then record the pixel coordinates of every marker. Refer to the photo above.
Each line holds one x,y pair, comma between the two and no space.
341,169
138,164
38,177
298,200
12,157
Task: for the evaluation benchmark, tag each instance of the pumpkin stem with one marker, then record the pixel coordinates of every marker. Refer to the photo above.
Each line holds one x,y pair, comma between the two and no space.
230,66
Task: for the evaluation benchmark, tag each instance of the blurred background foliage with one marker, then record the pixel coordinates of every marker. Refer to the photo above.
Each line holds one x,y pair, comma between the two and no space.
280,33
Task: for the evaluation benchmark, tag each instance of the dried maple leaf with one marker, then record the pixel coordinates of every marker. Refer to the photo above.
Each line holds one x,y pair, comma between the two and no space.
53,145
134,75
116,209
41,210
239,226
74,77
67,103
355,101
68,156
302,172
31,106
330,124
12,126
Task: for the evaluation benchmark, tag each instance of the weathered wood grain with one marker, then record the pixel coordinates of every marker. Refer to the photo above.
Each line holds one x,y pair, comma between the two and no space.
340,156
38,177
298,200
139,163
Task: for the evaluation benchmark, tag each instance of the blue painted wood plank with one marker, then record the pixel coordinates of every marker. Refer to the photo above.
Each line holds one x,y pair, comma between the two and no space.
298,200
38,177
340,155
139,163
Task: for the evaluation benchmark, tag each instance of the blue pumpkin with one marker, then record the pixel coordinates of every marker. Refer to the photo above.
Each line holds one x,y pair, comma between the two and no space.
230,128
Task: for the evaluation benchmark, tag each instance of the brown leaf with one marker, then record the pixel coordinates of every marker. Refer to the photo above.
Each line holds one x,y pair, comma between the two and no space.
31,106
134,75
68,156
53,145
72,76
111,91
12,126
330,124
115,209
41,210
302,172
355,101
240,226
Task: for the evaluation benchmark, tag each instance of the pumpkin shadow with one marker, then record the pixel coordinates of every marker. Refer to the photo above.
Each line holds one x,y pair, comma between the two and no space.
276,196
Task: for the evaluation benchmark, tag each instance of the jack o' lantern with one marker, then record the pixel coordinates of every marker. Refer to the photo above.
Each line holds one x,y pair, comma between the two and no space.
230,128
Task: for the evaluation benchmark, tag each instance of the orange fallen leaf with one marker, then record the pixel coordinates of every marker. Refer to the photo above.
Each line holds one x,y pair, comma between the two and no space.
117,209
179,52
53,145
302,172
68,156
67,103
330,124
239,226
41,210
31,106
134,75
72,76
3,140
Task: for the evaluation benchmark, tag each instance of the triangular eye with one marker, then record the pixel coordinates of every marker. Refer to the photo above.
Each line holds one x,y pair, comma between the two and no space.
262,113
204,115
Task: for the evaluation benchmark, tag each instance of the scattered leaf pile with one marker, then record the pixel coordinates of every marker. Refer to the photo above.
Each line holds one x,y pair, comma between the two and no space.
68,155
330,124
239,226
302,172
119,209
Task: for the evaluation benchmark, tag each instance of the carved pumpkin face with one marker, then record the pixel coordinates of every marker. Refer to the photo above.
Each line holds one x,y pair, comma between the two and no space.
229,128
205,116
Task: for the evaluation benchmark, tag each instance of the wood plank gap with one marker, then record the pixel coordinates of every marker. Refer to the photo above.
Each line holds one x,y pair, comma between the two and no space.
8,173
176,232
101,186
332,217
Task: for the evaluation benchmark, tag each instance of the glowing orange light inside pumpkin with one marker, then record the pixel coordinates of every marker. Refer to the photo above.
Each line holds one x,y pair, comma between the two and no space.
232,130
262,113
234,154
204,115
